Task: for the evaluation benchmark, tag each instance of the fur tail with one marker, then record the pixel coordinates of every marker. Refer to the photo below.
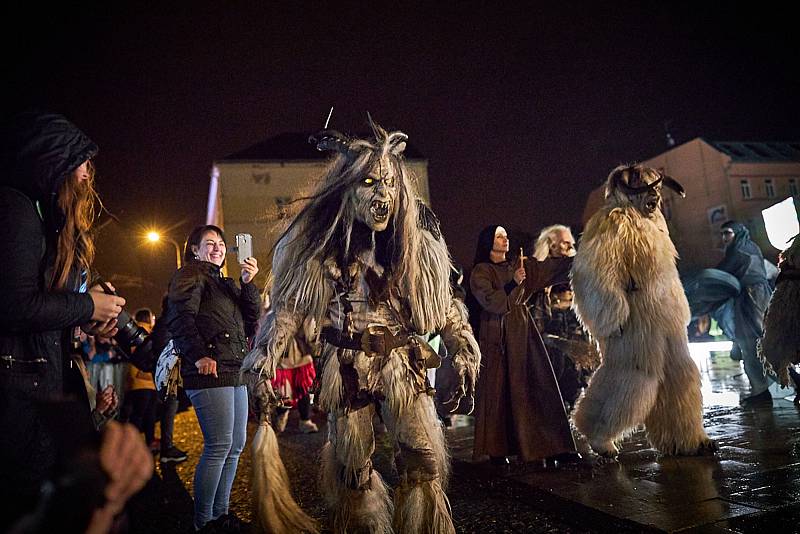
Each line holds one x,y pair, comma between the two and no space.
422,508
276,511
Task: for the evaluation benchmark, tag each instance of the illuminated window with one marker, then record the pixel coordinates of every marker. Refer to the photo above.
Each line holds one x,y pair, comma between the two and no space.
793,187
745,184
769,187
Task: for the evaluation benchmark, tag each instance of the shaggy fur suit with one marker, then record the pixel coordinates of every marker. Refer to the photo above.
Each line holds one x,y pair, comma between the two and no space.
630,298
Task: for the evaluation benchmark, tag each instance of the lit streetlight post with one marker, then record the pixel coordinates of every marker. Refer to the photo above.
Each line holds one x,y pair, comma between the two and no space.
155,237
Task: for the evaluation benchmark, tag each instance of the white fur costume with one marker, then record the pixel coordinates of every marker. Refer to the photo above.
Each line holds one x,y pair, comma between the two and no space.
373,273
629,297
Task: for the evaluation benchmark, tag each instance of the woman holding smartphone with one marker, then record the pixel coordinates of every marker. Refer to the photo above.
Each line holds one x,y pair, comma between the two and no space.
212,317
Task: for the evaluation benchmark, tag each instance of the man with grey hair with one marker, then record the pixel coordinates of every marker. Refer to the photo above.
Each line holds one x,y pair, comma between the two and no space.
556,241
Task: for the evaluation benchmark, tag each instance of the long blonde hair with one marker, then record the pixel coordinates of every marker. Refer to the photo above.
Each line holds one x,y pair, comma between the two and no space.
78,201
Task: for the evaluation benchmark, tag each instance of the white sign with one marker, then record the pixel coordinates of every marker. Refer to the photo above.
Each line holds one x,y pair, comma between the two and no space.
781,223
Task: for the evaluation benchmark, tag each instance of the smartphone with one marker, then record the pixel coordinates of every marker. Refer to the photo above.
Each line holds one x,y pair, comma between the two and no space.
244,247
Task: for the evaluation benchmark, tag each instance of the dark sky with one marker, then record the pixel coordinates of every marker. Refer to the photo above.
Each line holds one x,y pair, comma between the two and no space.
520,110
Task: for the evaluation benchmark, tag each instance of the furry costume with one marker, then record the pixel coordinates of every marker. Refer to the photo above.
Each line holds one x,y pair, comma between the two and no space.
780,346
365,259
629,297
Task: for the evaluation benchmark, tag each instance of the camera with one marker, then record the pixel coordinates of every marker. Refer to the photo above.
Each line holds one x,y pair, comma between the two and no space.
132,339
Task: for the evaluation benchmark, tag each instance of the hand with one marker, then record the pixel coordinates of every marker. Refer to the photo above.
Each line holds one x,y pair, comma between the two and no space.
261,396
107,329
249,270
106,399
129,465
519,275
467,378
206,366
106,307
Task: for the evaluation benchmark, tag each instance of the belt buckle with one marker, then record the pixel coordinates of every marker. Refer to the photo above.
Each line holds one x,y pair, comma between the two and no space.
373,340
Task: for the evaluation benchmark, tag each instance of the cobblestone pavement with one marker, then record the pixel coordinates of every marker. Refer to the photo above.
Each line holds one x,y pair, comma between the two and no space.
481,503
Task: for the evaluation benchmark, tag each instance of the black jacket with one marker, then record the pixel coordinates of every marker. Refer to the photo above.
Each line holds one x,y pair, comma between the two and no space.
211,316
38,152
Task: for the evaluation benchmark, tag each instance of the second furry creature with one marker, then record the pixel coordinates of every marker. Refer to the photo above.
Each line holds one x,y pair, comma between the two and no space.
780,346
630,298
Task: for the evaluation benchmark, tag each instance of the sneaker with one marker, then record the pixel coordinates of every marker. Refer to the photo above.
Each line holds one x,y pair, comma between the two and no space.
173,454
308,427
763,398
280,420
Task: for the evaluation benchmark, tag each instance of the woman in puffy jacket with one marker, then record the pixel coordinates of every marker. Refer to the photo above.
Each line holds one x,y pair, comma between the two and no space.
211,319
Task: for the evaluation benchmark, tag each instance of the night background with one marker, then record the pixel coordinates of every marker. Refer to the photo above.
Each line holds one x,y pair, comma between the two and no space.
521,111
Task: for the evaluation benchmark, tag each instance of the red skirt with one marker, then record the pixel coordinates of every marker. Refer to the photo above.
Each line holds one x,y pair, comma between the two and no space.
294,384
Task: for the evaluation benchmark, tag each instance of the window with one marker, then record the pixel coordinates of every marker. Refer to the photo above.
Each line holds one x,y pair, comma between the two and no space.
769,187
793,187
282,204
745,189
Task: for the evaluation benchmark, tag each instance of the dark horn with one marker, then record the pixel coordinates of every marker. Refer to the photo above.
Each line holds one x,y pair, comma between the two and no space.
377,131
670,182
330,140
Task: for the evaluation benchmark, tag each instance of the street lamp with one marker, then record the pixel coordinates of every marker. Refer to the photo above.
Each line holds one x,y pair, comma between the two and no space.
155,237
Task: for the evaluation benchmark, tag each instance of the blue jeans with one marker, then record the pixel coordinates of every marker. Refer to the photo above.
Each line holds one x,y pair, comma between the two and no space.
222,413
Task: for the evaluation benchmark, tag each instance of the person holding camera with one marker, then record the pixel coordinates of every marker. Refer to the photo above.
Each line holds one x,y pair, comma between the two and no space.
210,320
47,205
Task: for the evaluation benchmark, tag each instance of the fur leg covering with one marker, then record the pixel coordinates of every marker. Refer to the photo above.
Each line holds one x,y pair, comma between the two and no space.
276,511
352,490
675,424
616,400
423,463
422,508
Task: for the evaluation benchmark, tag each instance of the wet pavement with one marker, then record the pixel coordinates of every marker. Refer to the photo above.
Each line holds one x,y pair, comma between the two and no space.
750,485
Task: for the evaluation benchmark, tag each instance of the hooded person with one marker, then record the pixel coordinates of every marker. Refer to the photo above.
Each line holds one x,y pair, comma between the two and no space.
743,259
519,407
46,207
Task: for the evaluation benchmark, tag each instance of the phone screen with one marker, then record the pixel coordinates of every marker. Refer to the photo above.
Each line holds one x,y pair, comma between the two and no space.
244,247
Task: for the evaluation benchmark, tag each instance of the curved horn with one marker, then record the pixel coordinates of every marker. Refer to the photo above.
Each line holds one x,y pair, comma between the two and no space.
396,142
330,140
673,184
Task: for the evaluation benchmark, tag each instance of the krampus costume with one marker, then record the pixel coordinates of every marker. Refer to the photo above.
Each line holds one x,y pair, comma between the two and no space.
629,296
365,259
780,346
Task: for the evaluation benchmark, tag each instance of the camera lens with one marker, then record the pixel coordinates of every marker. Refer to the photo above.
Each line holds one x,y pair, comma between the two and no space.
130,334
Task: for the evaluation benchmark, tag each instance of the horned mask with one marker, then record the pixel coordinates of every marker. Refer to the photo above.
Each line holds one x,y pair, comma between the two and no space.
641,186
375,193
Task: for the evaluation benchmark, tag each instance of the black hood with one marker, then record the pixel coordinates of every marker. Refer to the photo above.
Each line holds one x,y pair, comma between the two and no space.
485,243
38,151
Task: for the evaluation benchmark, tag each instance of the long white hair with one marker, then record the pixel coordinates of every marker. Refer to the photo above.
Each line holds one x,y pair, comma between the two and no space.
323,231
541,249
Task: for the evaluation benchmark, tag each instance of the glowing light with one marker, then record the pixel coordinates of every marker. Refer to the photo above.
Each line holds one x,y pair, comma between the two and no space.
781,223
701,351
153,236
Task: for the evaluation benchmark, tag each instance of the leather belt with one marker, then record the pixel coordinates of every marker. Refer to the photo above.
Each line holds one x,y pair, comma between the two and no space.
376,340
